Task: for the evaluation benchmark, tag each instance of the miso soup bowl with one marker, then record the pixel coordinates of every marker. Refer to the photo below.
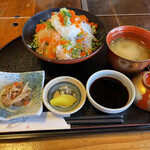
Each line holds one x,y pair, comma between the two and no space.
119,63
116,75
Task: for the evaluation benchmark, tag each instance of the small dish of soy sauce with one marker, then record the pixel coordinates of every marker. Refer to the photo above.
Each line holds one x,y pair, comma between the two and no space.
110,91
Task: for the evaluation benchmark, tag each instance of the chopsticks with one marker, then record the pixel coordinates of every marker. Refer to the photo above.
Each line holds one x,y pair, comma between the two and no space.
99,119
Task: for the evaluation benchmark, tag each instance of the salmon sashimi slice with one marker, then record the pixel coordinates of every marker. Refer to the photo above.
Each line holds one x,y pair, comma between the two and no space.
53,42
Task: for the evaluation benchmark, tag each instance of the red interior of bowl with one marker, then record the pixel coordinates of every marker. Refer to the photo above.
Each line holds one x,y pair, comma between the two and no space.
129,31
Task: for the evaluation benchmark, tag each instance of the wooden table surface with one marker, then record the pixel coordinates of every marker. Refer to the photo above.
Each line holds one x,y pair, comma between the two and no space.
13,15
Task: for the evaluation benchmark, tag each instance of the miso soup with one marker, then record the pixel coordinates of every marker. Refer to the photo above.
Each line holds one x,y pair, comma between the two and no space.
131,49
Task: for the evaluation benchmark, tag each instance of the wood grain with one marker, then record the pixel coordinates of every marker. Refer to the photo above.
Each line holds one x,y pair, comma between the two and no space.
47,4
116,141
126,7
142,21
100,7
109,7
11,8
10,32
109,24
25,9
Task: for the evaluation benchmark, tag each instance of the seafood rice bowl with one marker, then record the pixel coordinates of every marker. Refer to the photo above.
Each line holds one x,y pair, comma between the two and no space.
64,35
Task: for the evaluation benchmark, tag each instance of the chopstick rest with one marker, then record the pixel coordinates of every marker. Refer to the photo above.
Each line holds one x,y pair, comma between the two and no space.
99,119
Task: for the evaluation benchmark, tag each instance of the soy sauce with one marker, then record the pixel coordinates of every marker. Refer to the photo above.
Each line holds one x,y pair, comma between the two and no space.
109,92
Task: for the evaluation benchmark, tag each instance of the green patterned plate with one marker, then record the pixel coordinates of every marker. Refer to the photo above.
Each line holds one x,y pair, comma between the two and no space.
36,83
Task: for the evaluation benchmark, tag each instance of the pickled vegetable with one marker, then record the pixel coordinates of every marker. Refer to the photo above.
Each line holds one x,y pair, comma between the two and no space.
63,100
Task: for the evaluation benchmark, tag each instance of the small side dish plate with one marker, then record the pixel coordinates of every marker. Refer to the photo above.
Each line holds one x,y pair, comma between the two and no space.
36,83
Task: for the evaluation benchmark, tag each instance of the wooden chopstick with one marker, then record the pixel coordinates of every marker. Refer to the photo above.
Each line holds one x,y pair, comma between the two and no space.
99,119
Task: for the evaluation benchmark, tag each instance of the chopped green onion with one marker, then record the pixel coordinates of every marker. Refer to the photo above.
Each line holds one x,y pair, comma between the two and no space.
49,25
121,38
77,50
34,44
127,37
41,21
80,34
96,45
94,29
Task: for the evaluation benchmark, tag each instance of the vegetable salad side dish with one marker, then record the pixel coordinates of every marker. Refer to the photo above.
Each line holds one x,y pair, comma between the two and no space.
65,36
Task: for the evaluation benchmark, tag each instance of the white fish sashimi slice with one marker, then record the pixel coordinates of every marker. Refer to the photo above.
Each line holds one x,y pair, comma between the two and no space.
87,28
68,32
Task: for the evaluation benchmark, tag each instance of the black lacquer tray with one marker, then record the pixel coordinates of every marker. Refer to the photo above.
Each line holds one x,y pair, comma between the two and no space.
15,57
